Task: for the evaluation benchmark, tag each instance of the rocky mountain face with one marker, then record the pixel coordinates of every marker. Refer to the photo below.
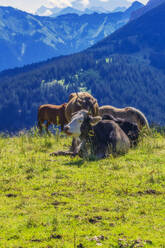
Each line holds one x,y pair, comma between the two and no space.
27,38
150,5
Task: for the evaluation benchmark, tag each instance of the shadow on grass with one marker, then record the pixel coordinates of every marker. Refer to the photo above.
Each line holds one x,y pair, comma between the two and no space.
79,163
82,161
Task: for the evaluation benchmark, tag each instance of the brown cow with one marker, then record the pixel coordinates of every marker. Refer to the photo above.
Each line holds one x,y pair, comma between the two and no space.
128,114
52,114
81,100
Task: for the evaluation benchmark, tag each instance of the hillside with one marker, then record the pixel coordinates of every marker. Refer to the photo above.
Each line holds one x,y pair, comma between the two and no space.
27,38
69,202
142,37
139,35
150,5
125,69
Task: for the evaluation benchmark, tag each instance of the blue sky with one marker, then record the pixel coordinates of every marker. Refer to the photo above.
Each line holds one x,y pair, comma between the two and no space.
33,5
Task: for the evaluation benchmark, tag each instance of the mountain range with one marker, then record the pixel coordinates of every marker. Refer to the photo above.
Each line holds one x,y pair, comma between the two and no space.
150,5
124,69
108,5
54,12
82,7
27,38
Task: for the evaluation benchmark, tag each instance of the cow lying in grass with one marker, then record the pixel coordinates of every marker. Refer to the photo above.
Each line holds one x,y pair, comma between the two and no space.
129,128
99,137
102,137
130,114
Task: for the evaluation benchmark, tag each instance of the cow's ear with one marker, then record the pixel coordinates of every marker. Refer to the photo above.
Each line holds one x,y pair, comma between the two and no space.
71,96
95,119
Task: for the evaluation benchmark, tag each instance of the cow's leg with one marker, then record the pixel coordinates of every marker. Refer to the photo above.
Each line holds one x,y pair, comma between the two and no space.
83,149
75,144
63,153
74,150
40,126
100,151
62,127
46,126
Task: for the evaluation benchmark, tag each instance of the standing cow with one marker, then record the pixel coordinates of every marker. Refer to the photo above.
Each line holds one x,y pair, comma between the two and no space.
52,114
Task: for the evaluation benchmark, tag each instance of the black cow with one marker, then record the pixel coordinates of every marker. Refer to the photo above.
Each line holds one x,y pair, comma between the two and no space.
130,128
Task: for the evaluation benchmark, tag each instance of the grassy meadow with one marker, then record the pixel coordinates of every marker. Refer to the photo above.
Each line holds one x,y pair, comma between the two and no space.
66,202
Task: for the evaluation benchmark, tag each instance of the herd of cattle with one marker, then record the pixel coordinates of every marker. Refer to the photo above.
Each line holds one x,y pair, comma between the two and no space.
99,131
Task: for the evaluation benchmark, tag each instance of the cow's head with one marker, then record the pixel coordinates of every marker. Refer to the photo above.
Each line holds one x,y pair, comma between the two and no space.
87,102
78,119
86,126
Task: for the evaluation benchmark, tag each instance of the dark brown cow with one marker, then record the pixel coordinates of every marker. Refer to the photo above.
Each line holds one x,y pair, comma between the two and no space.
130,129
102,138
52,114
99,137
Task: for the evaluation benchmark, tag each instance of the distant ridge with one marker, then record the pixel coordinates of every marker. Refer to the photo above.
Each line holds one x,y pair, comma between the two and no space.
90,6
138,34
150,5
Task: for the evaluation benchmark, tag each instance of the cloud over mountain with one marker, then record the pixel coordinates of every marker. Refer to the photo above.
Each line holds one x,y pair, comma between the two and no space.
31,5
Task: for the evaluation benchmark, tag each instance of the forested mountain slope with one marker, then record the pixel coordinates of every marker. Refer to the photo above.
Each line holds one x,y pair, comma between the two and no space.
124,69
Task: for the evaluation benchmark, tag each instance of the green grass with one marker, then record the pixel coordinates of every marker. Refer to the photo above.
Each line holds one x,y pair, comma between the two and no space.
69,202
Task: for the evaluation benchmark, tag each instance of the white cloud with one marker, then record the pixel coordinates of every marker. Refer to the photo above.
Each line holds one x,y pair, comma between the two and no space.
26,5
33,5
65,3
59,3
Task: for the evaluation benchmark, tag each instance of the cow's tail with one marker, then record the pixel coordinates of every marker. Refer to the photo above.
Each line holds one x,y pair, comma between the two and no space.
141,118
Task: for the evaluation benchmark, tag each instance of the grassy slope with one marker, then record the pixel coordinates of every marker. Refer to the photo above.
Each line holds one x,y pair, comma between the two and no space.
66,202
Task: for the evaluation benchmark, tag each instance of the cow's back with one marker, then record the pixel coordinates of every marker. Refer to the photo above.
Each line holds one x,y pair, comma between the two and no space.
109,132
128,114
52,113
115,112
